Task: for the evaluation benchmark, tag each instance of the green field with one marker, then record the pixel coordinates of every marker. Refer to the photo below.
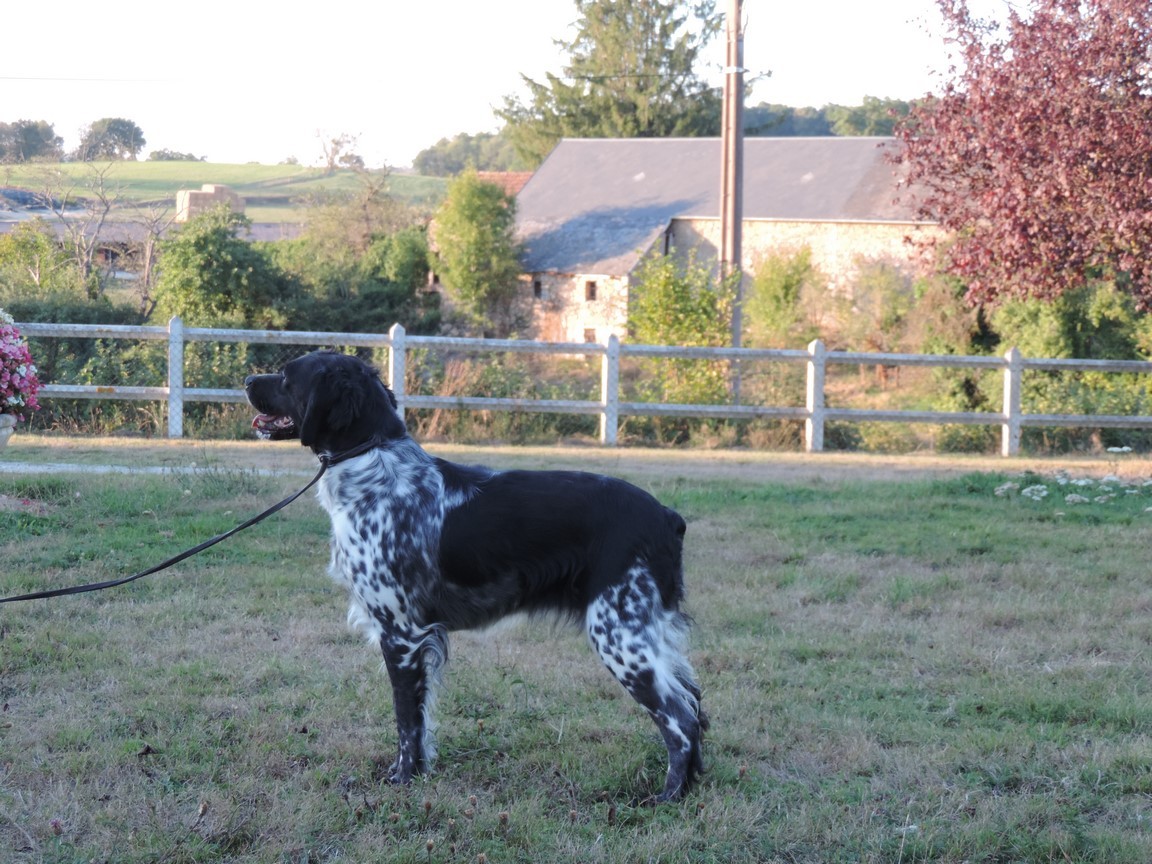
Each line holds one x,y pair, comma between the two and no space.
273,192
904,660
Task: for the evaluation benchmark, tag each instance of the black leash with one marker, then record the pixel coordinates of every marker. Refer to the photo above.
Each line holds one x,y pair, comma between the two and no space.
326,462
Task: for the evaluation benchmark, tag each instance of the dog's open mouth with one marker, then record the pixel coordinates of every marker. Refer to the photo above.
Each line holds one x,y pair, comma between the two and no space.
272,428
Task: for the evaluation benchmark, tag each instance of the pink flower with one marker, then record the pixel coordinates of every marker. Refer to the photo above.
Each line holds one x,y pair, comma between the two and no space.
18,381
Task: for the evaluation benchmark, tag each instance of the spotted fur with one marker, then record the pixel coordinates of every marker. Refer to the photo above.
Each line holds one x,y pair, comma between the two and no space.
425,546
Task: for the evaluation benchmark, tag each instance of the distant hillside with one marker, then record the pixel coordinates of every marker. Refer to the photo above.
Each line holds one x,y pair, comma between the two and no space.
272,192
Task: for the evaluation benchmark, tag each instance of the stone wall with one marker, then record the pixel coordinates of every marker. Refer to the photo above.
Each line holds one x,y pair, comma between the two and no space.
191,203
837,247
585,307
559,308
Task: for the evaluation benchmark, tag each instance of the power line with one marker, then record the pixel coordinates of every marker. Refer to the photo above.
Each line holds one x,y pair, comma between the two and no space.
80,80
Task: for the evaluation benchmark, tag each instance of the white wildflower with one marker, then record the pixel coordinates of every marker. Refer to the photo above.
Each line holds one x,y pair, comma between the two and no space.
1036,493
1119,449
1083,481
1006,488
1103,499
1075,499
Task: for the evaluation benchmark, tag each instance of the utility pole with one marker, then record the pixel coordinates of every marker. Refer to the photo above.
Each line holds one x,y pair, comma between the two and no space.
732,173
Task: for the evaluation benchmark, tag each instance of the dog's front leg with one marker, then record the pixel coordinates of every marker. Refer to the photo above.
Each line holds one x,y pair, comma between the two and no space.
414,658
406,672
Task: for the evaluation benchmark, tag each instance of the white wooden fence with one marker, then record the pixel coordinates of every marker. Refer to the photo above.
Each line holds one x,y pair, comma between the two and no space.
608,407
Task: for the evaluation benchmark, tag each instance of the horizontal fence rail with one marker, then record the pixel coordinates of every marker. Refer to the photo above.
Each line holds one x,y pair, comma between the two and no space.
815,414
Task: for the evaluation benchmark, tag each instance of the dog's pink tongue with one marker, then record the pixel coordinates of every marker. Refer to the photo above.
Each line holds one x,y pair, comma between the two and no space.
266,424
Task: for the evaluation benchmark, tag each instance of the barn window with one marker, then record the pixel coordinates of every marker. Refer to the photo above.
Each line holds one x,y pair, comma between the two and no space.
590,334
537,288
590,290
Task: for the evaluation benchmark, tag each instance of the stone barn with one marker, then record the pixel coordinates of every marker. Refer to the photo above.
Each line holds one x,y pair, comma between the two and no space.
596,207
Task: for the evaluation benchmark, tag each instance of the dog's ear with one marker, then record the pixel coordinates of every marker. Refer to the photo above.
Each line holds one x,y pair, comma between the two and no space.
348,388
387,415
315,413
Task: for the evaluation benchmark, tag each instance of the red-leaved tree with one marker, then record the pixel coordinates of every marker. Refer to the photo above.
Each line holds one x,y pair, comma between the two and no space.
1037,155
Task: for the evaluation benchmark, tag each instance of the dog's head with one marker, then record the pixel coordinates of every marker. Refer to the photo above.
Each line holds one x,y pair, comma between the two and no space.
331,402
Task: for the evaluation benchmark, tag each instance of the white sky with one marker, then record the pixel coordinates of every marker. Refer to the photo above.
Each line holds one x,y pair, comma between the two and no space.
253,80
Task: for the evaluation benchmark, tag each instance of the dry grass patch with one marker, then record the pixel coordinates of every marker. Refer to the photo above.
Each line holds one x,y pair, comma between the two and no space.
900,665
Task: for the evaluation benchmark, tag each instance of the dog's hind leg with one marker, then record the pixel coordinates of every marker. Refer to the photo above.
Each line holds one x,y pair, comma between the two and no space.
642,644
414,659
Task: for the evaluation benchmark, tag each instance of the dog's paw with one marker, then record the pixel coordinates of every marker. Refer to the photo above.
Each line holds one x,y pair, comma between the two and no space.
401,772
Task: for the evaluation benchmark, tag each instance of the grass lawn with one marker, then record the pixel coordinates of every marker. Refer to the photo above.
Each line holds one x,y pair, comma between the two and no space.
903,661
273,192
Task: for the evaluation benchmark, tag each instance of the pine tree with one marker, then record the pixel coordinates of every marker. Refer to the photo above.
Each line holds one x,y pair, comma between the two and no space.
631,73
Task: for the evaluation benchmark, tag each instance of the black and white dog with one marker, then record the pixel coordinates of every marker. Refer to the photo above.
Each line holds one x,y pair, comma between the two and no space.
425,546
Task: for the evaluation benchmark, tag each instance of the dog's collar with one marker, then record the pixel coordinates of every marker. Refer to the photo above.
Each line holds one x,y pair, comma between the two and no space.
330,459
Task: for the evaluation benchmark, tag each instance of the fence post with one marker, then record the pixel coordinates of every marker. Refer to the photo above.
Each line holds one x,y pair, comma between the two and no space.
814,424
1010,429
610,392
175,377
397,355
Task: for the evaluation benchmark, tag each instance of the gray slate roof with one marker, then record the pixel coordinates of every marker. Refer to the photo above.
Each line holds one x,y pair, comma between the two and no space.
596,205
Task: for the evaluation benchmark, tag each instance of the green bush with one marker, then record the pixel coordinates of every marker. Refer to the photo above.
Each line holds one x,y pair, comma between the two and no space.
500,377
786,294
680,302
88,361
212,277
1098,321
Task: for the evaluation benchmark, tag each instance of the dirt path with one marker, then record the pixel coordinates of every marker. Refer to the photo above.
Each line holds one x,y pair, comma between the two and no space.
25,452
